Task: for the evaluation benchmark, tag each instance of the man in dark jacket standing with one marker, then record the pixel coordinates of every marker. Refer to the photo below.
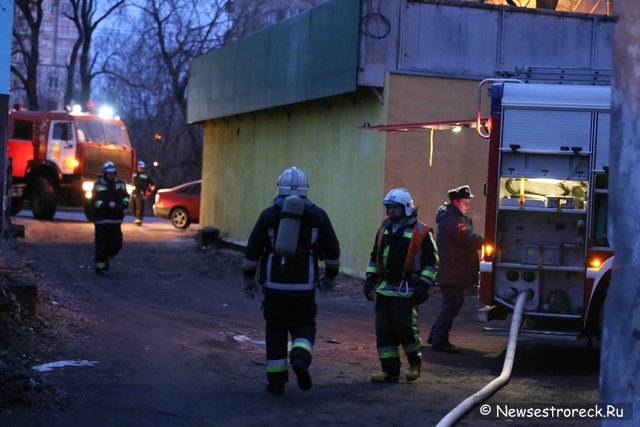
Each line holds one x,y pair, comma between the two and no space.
109,199
458,248
286,243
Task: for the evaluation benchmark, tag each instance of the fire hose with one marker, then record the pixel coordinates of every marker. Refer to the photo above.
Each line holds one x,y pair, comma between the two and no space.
469,403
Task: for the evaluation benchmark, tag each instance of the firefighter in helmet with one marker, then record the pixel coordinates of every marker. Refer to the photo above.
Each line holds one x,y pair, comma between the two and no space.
143,186
401,270
285,245
109,199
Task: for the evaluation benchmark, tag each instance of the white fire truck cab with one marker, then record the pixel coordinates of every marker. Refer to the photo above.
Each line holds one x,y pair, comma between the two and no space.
546,213
56,157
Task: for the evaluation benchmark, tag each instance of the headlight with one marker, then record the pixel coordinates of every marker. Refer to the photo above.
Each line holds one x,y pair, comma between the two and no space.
87,186
130,188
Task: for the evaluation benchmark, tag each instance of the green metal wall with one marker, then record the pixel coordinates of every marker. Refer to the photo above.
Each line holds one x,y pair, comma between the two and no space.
244,155
310,56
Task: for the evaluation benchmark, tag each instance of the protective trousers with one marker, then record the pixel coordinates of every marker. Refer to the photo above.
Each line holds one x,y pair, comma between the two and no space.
284,316
108,242
452,300
397,324
138,205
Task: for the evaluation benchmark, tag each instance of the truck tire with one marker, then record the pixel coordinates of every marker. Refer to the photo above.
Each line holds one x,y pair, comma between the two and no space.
43,199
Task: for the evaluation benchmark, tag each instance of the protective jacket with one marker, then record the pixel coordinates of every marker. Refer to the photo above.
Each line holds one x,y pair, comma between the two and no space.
294,276
458,247
402,258
142,183
104,192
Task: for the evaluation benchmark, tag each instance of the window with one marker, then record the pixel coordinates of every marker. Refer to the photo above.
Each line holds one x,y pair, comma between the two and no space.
61,131
96,132
53,82
22,129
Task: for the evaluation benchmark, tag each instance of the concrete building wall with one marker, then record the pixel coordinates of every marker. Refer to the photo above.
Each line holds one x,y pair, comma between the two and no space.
476,40
244,155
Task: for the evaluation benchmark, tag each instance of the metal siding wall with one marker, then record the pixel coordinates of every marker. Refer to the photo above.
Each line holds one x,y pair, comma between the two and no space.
310,56
602,51
441,39
477,41
243,157
551,40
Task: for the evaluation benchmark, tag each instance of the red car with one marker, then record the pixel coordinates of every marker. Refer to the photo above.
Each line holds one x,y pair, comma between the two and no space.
181,204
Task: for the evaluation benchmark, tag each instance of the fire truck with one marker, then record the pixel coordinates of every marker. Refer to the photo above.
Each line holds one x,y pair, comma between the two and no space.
56,157
546,207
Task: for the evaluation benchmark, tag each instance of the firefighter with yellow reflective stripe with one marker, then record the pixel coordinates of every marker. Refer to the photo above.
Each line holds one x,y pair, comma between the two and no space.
109,199
401,270
286,244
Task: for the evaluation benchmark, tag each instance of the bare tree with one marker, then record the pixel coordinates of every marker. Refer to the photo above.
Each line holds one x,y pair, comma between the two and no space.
148,73
26,47
86,21
148,70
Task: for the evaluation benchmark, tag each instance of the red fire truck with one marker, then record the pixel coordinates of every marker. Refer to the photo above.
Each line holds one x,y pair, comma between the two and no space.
546,214
56,156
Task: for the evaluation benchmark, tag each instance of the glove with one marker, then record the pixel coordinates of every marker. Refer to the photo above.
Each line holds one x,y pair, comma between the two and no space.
370,286
250,287
326,283
421,290
112,205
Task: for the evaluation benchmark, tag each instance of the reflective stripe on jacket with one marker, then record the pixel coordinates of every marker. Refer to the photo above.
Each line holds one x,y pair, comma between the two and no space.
401,258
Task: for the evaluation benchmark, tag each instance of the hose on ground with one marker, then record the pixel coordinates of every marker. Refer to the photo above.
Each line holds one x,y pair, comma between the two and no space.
469,403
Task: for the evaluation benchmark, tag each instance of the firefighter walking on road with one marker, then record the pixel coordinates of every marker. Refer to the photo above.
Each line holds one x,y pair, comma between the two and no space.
109,199
286,243
458,246
401,270
143,186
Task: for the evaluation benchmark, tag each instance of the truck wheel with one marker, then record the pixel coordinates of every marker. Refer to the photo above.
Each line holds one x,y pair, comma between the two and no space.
43,199
17,203
180,218
88,212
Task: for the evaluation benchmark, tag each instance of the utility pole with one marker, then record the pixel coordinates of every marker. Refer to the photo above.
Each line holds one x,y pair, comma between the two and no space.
620,350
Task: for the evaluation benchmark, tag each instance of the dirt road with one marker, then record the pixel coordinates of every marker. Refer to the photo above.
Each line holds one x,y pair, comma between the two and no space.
172,341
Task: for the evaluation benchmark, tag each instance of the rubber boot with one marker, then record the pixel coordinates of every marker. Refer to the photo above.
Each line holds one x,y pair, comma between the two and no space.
385,377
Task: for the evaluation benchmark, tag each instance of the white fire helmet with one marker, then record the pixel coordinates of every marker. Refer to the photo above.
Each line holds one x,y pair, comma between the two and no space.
108,167
140,164
293,182
402,197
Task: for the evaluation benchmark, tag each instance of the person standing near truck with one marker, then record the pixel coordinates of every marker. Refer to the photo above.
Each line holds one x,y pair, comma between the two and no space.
143,186
401,270
458,247
109,199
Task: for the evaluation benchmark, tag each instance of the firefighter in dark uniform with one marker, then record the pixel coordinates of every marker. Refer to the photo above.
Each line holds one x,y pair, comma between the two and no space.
143,186
458,246
109,199
289,282
401,270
